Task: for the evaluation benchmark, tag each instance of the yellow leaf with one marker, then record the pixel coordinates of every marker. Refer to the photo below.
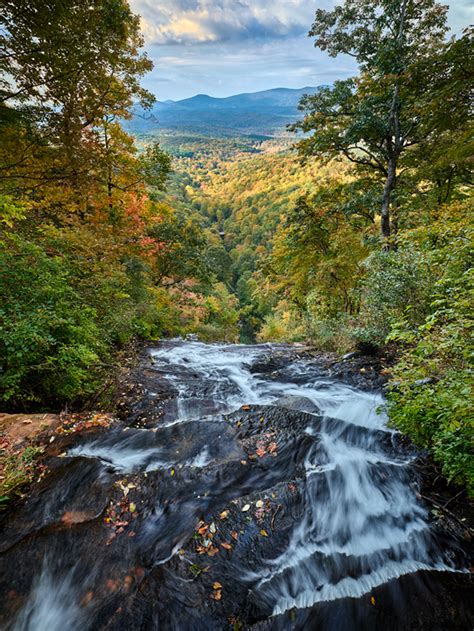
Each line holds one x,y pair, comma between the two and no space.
132,507
216,585
264,533
372,600
217,595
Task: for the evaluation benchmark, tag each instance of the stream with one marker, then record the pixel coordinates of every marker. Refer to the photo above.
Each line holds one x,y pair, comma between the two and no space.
246,489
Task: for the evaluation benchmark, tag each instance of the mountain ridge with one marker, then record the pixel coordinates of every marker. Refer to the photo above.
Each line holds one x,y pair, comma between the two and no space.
266,112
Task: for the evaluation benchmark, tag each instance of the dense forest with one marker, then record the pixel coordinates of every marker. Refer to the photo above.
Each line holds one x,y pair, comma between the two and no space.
352,230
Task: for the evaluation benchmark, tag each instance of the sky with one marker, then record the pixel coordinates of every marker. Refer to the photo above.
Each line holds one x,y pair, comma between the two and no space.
225,47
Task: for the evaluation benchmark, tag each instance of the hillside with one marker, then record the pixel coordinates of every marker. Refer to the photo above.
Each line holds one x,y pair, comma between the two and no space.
260,113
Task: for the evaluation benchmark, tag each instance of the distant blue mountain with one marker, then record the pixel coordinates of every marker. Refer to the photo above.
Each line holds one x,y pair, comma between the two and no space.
255,113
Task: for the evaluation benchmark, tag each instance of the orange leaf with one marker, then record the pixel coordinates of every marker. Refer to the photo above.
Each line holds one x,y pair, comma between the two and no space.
227,546
234,535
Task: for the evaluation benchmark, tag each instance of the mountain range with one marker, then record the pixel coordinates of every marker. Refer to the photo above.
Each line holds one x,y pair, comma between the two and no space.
264,113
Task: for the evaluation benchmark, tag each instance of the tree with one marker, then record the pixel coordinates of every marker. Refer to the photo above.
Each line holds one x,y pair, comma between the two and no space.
66,66
371,120
443,158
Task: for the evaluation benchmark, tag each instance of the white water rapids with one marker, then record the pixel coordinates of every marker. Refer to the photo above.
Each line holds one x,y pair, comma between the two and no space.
357,522
363,524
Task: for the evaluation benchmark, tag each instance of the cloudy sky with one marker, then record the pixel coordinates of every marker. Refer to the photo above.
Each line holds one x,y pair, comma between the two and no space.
223,47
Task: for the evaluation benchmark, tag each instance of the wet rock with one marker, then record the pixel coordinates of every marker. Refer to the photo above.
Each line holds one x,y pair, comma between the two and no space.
294,402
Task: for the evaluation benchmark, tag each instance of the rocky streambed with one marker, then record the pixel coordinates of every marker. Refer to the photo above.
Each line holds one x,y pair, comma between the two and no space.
246,487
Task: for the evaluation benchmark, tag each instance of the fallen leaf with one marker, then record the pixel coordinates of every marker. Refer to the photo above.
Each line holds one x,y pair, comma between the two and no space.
261,452
272,447
74,517
227,546
216,585
245,508
212,528
372,600
234,535
212,551
217,595
87,598
243,462
246,407
172,471
264,533
259,503
132,507
224,514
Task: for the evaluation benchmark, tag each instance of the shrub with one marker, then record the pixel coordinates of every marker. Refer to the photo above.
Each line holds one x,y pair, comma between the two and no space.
283,325
433,399
397,284
50,345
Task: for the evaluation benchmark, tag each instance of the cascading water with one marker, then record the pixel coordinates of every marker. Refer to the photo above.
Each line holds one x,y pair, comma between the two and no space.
354,521
362,525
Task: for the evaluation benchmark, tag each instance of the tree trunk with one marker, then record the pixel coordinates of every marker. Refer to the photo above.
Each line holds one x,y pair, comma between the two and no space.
109,168
387,197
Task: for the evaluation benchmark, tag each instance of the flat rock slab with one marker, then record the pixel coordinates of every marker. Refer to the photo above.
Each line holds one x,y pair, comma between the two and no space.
19,427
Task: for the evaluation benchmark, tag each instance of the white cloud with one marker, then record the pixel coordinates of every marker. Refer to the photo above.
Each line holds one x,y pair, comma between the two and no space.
222,47
197,21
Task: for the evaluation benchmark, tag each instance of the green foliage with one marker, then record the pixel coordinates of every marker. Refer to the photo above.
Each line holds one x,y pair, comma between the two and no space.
433,397
49,342
10,210
373,120
397,285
